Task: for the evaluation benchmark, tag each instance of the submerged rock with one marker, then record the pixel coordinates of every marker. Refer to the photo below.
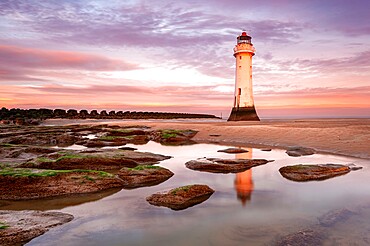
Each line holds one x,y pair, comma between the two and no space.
217,165
181,197
313,172
23,184
142,176
233,150
297,151
19,227
335,216
306,237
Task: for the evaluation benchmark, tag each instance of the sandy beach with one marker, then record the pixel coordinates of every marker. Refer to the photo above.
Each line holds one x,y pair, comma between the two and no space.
350,137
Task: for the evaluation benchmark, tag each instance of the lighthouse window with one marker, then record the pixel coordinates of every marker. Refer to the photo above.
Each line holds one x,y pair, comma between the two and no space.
239,91
240,57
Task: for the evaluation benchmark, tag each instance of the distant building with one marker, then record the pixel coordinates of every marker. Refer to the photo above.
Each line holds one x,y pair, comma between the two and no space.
243,109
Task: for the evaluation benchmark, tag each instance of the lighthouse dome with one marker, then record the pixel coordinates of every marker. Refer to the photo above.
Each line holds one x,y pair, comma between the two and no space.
244,38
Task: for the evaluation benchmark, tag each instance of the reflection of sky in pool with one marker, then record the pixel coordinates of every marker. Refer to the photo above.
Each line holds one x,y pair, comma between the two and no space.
252,207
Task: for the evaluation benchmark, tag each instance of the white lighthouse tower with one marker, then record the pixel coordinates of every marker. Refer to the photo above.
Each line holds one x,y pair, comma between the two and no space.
243,109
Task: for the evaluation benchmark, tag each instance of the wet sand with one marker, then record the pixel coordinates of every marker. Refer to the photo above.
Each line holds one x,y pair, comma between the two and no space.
350,137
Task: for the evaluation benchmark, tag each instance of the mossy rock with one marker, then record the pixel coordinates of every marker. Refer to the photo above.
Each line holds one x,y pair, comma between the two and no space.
218,165
23,183
304,172
182,197
98,160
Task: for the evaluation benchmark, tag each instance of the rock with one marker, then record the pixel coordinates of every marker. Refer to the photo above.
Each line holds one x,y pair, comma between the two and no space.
19,151
306,237
173,137
5,122
188,133
182,197
266,149
94,160
82,142
217,165
20,121
96,143
355,168
14,155
23,184
127,132
233,150
66,140
127,148
41,136
22,226
39,150
83,162
214,135
177,141
142,176
335,216
299,151
313,172
139,139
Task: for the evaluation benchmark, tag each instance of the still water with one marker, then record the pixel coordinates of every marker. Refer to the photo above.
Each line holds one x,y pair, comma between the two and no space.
254,207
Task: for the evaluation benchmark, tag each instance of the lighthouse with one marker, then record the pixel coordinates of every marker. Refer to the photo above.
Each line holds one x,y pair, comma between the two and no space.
243,109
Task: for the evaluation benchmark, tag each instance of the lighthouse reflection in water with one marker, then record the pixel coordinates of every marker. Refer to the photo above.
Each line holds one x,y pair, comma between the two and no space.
243,181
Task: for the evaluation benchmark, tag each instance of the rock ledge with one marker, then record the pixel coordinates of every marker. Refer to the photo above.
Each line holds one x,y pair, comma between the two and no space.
22,226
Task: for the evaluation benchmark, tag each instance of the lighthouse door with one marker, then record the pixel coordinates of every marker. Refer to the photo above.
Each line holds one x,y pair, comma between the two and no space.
238,97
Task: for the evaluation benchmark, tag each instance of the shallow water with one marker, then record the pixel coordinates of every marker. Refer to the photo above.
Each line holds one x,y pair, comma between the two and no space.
254,207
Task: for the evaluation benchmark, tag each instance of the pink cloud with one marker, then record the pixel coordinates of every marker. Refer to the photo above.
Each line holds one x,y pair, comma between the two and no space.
32,58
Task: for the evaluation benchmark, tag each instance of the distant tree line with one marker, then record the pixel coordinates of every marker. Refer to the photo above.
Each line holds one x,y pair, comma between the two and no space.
34,116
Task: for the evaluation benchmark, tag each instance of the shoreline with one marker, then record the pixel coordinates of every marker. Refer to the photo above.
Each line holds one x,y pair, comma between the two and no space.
347,137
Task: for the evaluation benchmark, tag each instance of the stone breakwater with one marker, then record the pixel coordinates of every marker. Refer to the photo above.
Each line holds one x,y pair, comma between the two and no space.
34,116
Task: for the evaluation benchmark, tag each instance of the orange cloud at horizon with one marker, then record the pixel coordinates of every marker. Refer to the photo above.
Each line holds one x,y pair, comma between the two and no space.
150,99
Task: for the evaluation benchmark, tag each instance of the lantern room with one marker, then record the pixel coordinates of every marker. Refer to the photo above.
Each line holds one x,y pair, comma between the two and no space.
244,39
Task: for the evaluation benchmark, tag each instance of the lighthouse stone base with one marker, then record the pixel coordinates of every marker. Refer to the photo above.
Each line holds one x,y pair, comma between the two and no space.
243,114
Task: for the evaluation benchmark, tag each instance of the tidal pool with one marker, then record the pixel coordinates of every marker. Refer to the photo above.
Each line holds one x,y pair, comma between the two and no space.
254,207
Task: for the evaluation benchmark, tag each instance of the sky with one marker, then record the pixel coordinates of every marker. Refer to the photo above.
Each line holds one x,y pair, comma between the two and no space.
312,57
